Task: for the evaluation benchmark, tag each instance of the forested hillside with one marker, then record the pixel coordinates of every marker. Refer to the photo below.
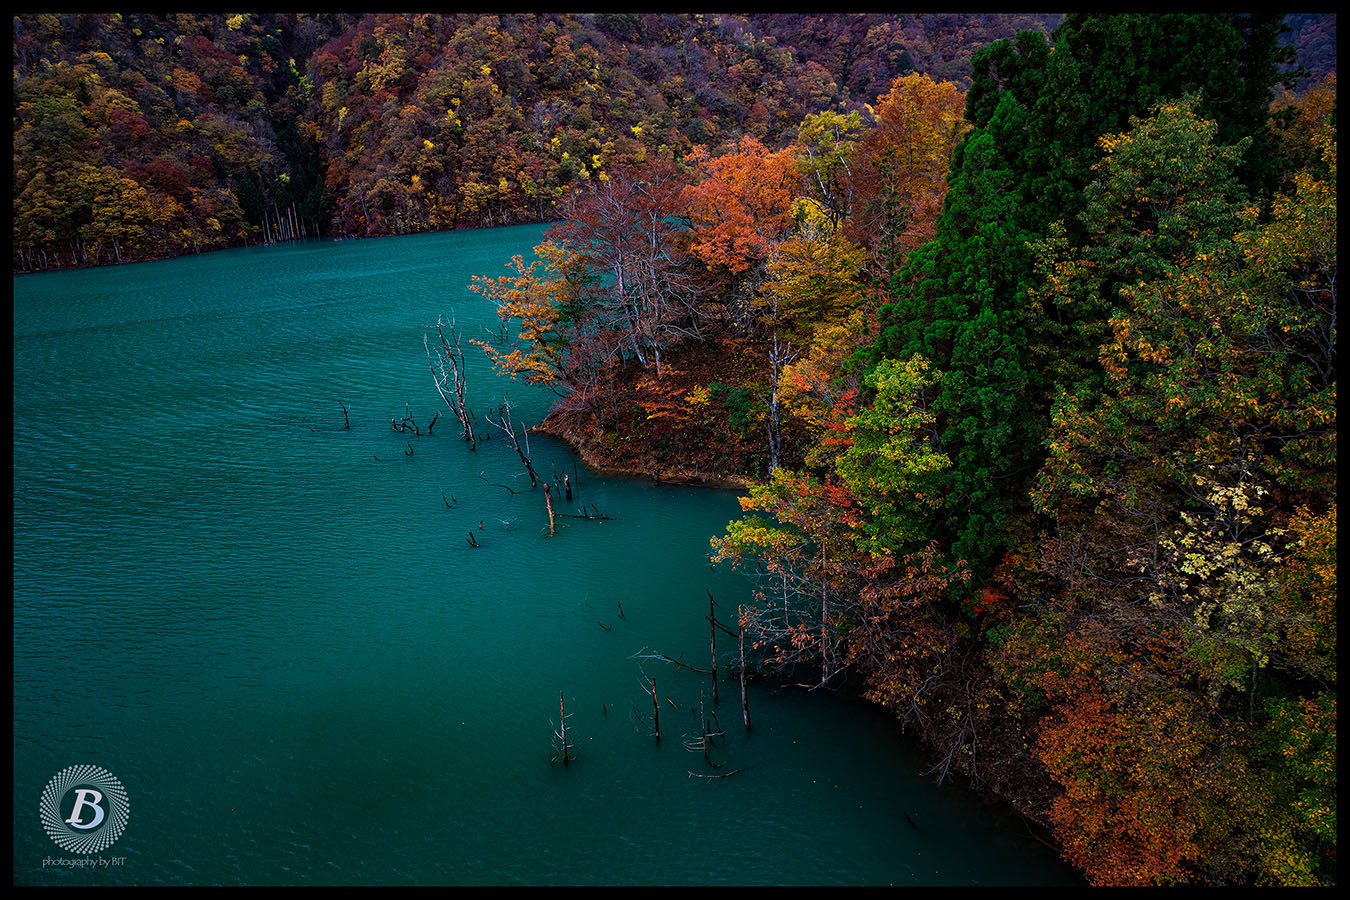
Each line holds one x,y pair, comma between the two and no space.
139,135
1029,374
1034,392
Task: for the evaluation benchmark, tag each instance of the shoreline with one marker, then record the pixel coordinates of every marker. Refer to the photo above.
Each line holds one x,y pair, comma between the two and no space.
561,428
336,236
582,436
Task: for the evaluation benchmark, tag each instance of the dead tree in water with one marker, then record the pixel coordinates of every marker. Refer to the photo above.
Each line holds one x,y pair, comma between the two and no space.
597,515
797,621
656,711
648,653
561,733
703,742
639,718
407,423
507,427
713,625
650,688
548,502
703,725
712,640
745,705
505,487
449,360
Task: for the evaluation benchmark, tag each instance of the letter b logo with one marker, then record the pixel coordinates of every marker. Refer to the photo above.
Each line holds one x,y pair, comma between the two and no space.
97,804
82,796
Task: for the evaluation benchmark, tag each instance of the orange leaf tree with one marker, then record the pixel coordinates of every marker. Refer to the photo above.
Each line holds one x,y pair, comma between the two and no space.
900,175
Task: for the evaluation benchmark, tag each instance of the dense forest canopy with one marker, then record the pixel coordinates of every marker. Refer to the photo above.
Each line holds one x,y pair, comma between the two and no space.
1019,331
145,135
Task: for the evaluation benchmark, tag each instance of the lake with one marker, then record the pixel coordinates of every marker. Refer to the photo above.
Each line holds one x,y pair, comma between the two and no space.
273,631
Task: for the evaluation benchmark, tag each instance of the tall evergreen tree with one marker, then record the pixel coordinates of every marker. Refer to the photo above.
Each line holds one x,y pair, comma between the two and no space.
964,301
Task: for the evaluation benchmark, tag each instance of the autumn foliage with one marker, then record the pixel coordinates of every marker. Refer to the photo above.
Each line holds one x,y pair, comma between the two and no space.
1058,492
1029,381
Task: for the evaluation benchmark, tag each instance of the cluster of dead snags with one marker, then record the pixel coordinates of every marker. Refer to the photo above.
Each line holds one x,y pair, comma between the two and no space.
709,728
446,363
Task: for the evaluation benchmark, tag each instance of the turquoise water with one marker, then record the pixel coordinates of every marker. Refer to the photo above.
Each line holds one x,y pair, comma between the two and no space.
273,631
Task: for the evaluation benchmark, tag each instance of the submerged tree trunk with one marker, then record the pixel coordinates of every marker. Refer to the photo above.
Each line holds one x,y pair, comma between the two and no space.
712,642
562,726
450,383
508,428
656,711
745,704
